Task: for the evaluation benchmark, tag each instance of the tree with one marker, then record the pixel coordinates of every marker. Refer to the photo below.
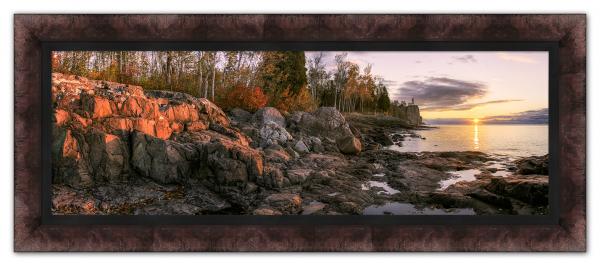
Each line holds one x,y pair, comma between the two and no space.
340,76
282,71
317,77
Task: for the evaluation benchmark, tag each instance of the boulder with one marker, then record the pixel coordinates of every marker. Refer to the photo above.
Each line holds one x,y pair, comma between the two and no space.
240,115
268,115
328,123
330,118
301,147
349,145
272,133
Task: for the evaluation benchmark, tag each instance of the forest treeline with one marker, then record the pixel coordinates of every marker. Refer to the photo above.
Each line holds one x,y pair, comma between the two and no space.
250,80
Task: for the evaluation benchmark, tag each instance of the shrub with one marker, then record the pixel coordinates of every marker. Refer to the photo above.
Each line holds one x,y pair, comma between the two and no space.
249,99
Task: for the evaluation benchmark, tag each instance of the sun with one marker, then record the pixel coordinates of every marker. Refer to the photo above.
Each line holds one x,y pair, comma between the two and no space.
475,120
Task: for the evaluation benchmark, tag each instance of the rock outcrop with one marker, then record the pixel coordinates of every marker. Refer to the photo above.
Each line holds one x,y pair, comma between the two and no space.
329,124
410,114
111,132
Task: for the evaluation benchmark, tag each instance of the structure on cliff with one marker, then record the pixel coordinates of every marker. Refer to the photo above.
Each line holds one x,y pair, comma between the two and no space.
408,112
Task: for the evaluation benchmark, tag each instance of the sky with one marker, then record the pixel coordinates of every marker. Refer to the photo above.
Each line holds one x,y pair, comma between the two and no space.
493,85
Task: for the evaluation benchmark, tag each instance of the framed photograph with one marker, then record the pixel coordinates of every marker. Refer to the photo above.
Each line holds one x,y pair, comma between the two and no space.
300,132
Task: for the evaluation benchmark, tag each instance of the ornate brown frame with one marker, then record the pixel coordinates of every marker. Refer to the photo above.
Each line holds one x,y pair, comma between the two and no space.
31,30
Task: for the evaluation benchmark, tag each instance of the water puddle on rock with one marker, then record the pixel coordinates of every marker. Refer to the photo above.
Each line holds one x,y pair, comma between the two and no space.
384,185
501,173
397,208
497,169
458,176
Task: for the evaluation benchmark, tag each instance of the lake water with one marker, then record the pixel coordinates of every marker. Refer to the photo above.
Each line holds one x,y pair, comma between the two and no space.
509,140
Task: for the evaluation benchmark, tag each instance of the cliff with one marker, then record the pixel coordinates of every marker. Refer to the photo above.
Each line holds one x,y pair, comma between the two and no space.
410,113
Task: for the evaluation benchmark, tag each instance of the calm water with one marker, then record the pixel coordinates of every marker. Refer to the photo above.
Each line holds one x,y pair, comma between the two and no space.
510,140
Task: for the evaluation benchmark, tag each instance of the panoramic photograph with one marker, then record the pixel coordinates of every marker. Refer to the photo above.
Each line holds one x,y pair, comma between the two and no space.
300,132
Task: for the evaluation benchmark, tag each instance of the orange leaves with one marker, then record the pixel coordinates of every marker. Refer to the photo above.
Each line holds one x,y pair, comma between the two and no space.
288,102
249,99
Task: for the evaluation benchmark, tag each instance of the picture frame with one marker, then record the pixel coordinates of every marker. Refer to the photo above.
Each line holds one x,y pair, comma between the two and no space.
34,233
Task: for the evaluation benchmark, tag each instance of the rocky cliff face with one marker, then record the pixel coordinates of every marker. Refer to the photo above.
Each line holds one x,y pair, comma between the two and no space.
410,114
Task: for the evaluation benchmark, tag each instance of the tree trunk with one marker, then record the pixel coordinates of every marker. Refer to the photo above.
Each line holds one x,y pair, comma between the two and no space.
212,94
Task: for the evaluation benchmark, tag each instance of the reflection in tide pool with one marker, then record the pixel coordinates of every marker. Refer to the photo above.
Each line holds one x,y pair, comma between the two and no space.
398,208
383,185
458,176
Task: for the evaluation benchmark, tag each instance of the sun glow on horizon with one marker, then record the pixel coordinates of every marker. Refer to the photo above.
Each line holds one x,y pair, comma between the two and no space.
475,120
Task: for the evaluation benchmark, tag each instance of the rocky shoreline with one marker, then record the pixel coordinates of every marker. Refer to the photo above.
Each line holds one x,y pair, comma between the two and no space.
118,149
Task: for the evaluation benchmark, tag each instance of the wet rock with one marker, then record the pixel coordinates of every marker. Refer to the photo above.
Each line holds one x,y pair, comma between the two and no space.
349,207
383,139
534,165
491,198
532,189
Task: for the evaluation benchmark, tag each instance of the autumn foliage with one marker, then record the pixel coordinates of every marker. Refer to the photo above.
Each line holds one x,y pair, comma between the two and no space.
301,101
249,99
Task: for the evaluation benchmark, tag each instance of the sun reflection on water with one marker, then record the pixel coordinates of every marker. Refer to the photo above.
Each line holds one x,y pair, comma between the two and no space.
476,136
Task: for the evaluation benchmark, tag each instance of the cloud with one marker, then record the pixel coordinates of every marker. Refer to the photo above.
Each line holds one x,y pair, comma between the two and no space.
465,59
516,58
464,107
441,92
538,116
